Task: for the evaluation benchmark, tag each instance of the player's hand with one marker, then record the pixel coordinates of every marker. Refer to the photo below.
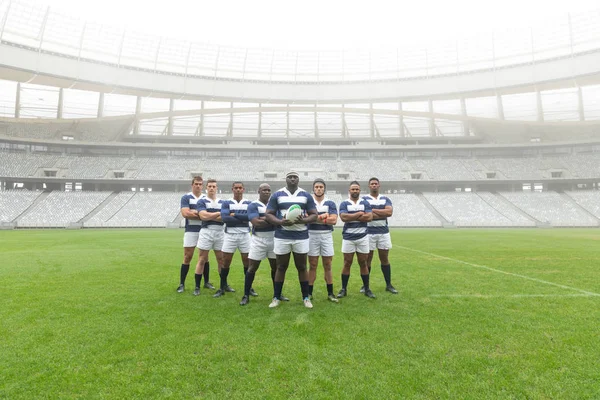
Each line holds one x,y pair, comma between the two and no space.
322,218
286,222
299,220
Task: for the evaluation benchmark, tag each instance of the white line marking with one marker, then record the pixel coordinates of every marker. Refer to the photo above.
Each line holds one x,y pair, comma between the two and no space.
503,272
495,296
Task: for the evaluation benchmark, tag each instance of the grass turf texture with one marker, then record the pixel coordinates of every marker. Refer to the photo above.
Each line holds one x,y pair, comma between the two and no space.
94,314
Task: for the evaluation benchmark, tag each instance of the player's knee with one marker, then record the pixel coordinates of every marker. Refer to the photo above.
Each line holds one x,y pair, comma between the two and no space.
282,268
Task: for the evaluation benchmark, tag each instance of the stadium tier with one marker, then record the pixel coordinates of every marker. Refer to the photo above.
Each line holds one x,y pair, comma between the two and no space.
25,209
41,165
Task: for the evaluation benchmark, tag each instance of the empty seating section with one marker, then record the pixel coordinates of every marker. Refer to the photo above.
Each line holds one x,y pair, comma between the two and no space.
589,200
147,209
109,209
409,211
514,168
551,207
87,130
476,167
159,209
232,169
582,165
15,164
30,130
91,130
166,169
444,169
82,167
466,209
24,165
507,209
60,209
14,202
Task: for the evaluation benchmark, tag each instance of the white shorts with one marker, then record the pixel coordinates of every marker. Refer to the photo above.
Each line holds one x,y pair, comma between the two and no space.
210,239
356,246
286,246
236,241
320,244
381,241
261,248
190,239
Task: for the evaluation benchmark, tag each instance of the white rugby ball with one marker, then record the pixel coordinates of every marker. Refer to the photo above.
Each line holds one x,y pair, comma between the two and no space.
293,212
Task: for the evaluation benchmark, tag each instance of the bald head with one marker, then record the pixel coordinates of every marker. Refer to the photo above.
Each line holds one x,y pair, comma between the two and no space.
264,192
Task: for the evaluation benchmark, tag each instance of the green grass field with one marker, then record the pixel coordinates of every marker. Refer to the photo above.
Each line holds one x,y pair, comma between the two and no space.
481,314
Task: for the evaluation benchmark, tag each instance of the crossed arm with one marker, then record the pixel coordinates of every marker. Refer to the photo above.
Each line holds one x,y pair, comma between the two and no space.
383,212
188,213
359,216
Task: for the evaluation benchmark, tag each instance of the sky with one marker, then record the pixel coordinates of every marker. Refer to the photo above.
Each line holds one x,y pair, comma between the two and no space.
321,25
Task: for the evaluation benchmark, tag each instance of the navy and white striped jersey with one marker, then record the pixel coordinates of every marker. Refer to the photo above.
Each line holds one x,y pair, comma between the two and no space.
212,206
354,230
325,207
280,201
378,225
239,222
258,209
190,201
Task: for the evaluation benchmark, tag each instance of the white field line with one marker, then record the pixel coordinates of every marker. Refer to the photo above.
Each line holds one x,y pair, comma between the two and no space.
502,272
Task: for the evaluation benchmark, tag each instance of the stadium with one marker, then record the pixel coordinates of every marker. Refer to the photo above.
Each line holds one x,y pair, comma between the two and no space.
104,128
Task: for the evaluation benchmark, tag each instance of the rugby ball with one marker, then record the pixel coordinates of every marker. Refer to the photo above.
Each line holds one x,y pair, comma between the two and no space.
293,212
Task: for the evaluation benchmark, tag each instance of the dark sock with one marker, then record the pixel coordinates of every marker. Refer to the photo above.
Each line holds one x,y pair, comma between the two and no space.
185,268
310,289
245,270
206,272
330,289
273,275
224,274
304,288
198,278
365,279
345,279
248,282
278,287
387,274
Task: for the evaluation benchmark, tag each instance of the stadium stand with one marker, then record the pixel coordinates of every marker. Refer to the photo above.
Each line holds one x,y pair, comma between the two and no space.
444,169
146,209
409,211
589,200
86,130
60,209
21,164
161,209
467,210
551,208
102,217
14,202
507,209
166,169
582,165
81,167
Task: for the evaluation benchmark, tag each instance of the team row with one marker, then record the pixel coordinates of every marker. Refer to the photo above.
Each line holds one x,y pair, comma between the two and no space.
290,221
